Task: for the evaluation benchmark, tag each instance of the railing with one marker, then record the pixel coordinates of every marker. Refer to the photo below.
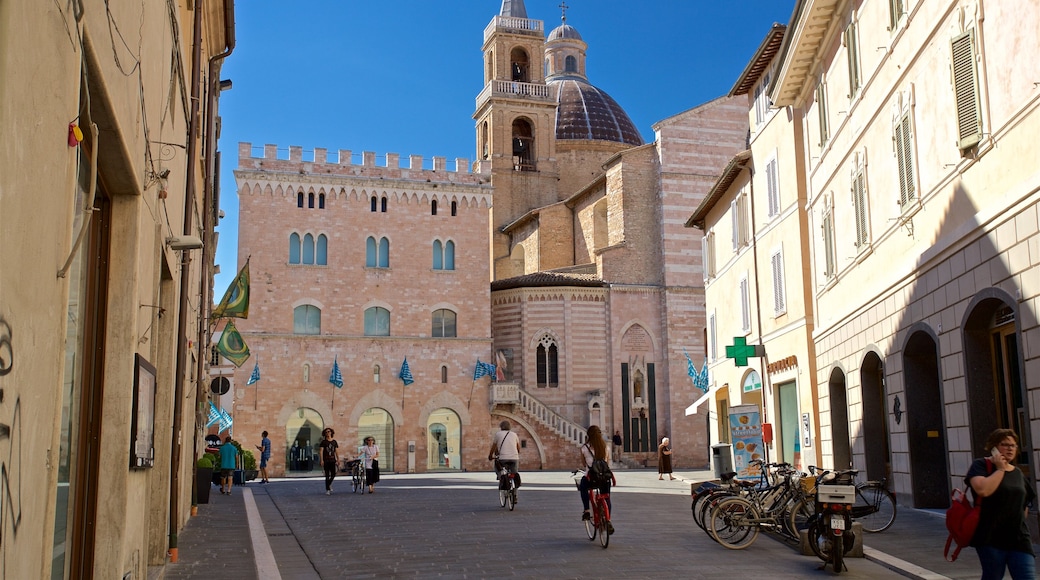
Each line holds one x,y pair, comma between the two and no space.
512,394
523,25
518,89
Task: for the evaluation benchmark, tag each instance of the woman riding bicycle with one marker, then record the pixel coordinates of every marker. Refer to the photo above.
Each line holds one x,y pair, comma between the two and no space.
505,447
594,448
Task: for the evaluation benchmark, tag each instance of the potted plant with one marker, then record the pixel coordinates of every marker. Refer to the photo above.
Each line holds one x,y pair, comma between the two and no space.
250,472
203,478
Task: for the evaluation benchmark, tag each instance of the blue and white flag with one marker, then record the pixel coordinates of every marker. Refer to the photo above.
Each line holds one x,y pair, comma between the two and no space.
484,369
700,379
225,421
214,415
336,377
406,373
255,376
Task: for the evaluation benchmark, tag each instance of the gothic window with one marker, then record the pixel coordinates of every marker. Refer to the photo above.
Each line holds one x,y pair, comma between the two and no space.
443,255
433,207
454,208
374,201
443,324
299,199
308,249
377,322
310,200
444,374
321,201
306,320
377,254
546,363
382,204
322,251
294,248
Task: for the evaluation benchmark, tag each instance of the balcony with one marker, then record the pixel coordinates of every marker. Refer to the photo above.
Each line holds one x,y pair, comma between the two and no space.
513,25
529,91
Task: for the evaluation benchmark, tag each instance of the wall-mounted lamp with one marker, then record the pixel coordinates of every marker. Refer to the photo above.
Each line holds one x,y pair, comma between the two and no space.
184,243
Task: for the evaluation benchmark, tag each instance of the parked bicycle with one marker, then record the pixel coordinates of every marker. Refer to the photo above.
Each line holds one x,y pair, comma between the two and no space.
736,521
875,506
506,486
599,523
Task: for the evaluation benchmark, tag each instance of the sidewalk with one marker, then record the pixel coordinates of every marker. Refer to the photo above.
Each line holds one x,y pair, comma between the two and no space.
218,543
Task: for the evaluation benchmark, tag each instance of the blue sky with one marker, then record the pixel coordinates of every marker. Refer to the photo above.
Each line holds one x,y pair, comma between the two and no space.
402,77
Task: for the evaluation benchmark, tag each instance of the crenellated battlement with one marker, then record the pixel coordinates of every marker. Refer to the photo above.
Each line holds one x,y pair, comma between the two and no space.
319,163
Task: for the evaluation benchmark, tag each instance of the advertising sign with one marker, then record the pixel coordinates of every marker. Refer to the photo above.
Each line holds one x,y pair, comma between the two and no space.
745,427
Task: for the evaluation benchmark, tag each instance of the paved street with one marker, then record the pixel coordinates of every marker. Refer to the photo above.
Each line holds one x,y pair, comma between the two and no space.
450,525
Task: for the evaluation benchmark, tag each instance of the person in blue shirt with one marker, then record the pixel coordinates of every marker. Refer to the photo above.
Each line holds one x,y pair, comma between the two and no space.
228,464
265,454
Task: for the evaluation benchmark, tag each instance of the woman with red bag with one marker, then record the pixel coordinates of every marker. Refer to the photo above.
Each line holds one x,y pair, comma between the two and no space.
1002,536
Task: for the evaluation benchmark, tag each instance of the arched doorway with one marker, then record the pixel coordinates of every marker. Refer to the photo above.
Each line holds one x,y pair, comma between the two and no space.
993,368
378,423
443,440
924,422
841,449
875,417
302,435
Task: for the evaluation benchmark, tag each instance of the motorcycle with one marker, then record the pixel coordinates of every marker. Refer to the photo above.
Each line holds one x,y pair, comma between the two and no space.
830,530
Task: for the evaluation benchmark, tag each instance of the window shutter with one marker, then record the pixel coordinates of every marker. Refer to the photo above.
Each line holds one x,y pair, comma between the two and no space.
745,306
904,160
859,204
735,219
779,299
828,245
773,187
966,90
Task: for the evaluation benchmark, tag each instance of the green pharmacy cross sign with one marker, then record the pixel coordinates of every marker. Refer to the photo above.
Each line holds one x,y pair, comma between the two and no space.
741,351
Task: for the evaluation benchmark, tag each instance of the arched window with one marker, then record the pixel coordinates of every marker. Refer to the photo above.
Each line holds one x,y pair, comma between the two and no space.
294,248
443,324
570,64
382,205
519,65
310,200
444,374
306,320
373,203
485,151
308,249
449,255
546,362
377,254
438,255
377,321
299,199
306,372
321,201
322,258
433,207
523,146
454,208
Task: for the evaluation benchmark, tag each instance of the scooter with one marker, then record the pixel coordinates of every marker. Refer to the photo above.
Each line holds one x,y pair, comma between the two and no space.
830,530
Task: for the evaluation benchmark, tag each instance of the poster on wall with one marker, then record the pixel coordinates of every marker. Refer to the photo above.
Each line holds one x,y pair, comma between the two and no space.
806,432
745,428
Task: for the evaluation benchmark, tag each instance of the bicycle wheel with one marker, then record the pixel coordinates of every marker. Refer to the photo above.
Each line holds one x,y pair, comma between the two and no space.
875,507
818,541
358,481
510,496
799,516
590,528
731,523
837,553
707,504
603,519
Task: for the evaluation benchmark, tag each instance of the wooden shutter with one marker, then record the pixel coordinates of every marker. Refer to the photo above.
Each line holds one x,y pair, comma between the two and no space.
966,90
859,204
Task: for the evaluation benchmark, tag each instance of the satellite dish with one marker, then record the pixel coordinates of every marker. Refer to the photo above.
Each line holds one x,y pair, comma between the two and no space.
220,386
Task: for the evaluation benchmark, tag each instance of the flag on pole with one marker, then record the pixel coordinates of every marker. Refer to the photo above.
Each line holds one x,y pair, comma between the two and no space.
700,379
214,415
336,377
235,303
484,369
225,421
255,376
231,345
406,373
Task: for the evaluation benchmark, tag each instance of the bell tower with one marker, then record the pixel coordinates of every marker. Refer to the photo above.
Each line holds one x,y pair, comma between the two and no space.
516,124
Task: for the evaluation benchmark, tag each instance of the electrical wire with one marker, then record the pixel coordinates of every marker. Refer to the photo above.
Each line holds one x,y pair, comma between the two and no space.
113,30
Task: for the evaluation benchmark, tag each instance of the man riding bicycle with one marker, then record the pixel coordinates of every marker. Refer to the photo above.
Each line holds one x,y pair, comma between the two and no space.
505,446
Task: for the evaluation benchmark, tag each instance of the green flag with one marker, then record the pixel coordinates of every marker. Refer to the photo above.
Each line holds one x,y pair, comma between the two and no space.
235,303
231,345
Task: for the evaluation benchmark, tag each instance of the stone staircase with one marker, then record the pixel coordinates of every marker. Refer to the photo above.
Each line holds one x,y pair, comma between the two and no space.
510,394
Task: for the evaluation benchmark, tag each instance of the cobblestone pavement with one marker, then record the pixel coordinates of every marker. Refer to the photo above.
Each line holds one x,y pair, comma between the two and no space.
450,525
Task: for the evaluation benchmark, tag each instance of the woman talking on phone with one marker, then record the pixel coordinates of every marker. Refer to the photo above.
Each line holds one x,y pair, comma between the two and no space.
1002,536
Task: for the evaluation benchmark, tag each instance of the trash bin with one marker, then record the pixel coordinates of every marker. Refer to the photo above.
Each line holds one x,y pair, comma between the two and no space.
722,458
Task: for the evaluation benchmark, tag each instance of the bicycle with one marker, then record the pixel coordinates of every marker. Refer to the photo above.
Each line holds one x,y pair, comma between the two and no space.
357,475
598,523
506,486
875,507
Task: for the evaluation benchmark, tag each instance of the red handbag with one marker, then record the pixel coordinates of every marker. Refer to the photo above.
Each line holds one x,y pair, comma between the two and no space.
961,519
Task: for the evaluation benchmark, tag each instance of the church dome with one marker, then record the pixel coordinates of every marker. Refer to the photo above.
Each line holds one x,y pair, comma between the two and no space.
585,112
564,31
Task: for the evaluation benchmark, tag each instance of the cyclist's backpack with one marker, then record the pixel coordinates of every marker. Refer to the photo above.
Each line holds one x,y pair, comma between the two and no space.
961,519
599,473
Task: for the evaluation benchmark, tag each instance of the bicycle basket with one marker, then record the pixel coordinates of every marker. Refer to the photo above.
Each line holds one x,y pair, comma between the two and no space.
808,483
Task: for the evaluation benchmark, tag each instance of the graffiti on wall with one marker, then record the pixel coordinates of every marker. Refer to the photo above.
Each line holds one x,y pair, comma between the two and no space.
10,451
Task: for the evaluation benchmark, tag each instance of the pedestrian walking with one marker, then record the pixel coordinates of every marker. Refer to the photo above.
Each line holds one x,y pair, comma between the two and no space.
228,464
370,453
265,454
329,457
617,442
1002,536
664,459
